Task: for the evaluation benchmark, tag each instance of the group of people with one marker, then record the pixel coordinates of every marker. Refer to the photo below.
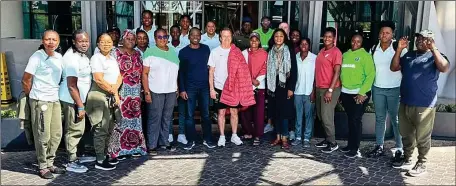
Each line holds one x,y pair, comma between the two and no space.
139,76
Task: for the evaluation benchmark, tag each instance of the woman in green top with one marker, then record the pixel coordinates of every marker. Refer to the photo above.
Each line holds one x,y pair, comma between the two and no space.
357,76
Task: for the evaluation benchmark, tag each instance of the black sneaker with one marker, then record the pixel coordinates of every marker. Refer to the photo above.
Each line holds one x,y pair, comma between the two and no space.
152,152
114,161
330,148
171,148
46,174
397,156
209,144
189,146
402,162
378,151
322,144
105,165
418,170
344,149
121,158
353,154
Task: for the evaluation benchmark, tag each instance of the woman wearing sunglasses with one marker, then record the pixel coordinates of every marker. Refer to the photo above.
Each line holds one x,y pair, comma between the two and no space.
159,76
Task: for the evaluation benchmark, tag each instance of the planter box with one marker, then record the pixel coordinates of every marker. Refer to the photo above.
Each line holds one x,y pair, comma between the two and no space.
13,136
444,125
341,127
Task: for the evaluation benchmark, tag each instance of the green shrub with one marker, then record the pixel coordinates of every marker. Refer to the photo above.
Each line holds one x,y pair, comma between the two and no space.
451,108
8,113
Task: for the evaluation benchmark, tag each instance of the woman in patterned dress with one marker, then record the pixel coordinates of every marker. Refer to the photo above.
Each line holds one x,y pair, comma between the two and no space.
127,137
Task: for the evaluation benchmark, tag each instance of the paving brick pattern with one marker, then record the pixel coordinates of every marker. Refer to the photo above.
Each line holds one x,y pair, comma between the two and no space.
245,165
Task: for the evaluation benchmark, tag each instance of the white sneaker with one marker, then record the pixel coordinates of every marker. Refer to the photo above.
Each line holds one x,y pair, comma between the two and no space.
268,128
170,138
292,135
182,139
236,140
221,142
86,159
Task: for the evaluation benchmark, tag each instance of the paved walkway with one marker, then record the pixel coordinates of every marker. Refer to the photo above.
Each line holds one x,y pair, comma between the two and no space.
245,165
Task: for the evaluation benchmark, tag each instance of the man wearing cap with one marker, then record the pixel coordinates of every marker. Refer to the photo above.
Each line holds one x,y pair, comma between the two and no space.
420,71
241,38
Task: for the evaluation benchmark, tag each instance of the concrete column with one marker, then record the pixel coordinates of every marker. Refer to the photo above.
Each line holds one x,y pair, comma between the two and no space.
11,26
444,12
314,28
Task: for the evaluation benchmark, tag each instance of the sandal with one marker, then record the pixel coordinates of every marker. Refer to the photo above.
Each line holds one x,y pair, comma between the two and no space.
256,142
275,142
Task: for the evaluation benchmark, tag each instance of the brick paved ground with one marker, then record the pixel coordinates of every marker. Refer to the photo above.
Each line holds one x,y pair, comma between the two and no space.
244,165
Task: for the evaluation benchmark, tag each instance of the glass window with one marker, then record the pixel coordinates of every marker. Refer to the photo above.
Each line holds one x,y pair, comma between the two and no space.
277,11
62,16
356,16
120,14
225,14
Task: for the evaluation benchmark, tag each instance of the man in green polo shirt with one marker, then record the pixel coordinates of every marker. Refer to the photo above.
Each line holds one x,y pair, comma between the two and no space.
265,31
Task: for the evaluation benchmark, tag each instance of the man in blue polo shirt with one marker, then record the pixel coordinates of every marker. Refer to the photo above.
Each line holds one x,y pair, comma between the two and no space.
194,86
420,71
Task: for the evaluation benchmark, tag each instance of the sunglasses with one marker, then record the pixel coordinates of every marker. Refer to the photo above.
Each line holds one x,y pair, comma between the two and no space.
163,37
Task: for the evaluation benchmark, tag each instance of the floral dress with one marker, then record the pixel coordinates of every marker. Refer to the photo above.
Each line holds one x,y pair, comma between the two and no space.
127,137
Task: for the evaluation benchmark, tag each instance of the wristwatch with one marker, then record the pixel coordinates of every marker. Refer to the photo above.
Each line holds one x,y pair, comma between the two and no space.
146,93
330,90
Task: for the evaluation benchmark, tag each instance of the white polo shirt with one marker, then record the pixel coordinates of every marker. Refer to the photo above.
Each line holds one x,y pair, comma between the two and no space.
212,43
108,66
47,73
75,65
178,48
163,69
306,74
384,77
219,59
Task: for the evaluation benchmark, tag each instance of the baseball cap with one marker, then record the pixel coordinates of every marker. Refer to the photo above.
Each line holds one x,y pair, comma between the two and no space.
254,34
426,33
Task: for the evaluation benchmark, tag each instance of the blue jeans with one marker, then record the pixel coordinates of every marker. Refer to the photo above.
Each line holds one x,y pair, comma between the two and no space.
181,107
304,106
202,96
386,100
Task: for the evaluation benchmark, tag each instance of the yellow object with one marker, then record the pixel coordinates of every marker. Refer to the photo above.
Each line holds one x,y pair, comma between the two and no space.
5,83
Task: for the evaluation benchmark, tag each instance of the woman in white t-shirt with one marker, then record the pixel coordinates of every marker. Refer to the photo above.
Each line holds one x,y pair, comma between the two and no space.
76,81
103,99
41,84
159,80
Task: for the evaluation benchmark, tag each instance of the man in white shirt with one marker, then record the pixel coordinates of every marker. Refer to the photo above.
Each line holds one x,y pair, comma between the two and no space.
386,89
218,74
210,38
77,77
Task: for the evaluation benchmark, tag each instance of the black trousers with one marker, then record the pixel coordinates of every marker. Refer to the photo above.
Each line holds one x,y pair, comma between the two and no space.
355,114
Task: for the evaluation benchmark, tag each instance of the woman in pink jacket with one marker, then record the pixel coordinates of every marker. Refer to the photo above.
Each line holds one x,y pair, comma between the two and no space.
256,58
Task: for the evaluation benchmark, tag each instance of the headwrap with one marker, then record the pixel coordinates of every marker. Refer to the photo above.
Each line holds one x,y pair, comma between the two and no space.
127,32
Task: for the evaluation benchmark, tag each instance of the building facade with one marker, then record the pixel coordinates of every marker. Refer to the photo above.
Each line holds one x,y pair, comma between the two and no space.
27,20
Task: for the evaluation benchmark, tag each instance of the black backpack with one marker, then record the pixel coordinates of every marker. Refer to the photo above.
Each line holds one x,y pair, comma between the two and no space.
374,48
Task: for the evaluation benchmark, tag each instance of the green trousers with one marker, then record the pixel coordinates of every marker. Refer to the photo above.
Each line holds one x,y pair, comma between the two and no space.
102,119
73,131
48,132
415,126
325,111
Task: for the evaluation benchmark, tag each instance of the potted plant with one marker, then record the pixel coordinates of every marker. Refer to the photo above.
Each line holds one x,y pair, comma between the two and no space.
444,123
12,133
